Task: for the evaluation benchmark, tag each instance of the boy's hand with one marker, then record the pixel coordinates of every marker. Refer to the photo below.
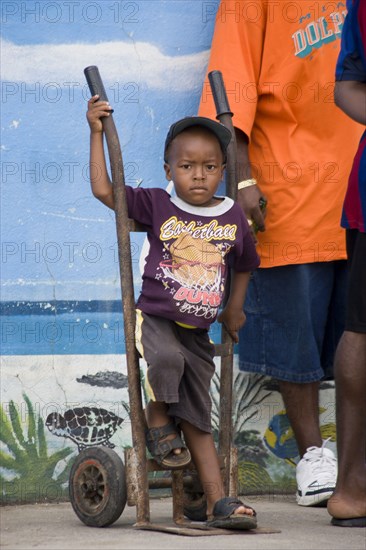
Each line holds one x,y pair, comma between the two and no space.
233,320
97,110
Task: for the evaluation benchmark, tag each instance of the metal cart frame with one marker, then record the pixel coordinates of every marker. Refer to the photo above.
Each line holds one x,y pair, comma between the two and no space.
89,496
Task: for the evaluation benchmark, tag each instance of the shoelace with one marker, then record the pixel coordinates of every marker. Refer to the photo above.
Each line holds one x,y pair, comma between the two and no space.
318,459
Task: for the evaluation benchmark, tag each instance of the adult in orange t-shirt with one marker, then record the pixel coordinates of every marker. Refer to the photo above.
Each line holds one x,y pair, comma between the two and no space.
295,148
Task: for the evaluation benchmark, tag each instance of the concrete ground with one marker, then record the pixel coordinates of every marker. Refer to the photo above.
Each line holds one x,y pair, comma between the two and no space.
55,526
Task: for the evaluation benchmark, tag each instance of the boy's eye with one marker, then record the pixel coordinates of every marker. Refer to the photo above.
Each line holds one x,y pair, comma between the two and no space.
211,167
186,166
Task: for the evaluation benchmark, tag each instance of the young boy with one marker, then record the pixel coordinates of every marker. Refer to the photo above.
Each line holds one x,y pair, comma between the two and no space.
194,238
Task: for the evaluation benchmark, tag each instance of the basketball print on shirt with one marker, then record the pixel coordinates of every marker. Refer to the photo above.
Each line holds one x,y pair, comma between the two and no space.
199,269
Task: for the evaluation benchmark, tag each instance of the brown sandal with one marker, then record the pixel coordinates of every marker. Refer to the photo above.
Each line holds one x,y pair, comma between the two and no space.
224,517
161,449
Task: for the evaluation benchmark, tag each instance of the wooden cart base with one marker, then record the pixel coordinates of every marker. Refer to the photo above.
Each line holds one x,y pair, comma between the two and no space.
193,529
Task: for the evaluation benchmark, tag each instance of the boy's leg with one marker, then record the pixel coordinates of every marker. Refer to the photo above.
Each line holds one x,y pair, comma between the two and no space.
205,458
164,372
157,416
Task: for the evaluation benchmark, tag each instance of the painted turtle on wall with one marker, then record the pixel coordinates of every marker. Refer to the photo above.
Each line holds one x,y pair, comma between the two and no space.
85,426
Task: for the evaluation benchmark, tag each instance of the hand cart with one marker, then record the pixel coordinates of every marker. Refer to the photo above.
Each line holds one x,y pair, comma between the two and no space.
100,484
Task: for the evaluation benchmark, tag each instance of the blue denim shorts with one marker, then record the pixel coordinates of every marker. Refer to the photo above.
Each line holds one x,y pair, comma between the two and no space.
295,317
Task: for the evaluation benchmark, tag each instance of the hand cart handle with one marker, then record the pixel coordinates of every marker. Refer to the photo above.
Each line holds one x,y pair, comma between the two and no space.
224,115
219,93
128,302
95,83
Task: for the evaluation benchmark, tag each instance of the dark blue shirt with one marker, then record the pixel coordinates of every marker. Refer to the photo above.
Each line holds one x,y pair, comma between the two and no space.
351,65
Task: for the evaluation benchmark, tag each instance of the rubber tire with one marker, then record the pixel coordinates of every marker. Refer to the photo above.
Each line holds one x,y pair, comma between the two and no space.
194,499
102,503
195,506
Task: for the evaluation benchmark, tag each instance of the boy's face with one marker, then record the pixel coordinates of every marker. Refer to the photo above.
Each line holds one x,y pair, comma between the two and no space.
196,165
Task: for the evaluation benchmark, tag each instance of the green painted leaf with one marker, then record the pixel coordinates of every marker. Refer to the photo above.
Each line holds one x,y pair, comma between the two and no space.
59,455
6,433
34,469
7,461
42,443
31,419
15,422
31,444
328,431
253,478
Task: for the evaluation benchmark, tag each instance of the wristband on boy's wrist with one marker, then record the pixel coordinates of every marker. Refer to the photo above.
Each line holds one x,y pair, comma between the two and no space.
246,183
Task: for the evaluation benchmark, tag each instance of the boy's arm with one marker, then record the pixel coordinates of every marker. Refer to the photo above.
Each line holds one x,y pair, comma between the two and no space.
233,315
100,182
350,96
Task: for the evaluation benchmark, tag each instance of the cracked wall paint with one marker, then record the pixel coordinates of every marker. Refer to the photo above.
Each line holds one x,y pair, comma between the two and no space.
61,301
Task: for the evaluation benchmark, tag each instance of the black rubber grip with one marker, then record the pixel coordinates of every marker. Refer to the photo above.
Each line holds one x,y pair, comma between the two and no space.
219,93
95,82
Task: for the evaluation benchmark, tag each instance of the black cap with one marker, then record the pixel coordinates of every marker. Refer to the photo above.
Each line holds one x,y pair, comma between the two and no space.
222,133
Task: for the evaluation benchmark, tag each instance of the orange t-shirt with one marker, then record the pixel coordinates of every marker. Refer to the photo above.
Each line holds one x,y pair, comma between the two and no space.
278,61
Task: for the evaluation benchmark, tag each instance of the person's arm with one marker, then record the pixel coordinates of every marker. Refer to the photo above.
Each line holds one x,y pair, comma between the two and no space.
248,198
99,179
350,96
237,51
233,315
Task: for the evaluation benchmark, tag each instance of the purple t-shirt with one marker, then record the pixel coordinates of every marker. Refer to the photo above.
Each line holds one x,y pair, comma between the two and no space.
191,249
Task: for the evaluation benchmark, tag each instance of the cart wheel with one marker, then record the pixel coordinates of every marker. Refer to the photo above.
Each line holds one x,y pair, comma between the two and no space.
195,506
97,486
194,500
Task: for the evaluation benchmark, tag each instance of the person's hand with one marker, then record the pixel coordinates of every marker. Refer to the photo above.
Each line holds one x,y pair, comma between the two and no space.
253,203
96,111
233,319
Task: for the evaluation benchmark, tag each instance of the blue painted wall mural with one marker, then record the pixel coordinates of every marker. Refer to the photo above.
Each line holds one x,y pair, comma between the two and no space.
63,368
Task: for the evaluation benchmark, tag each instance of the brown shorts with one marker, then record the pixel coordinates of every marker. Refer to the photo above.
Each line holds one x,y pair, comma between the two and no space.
180,368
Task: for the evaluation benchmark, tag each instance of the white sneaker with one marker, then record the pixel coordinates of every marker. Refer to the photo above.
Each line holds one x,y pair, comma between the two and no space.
316,475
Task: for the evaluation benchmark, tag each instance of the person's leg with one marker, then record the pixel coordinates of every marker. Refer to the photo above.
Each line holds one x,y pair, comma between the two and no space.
302,408
164,372
349,498
194,414
317,470
288,336
156,413
205,458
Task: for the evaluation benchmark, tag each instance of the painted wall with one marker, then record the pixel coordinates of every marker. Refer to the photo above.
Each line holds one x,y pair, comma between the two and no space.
63,366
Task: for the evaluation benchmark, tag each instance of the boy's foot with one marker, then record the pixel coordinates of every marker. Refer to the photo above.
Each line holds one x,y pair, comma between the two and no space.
232,513
167,447
316,476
